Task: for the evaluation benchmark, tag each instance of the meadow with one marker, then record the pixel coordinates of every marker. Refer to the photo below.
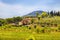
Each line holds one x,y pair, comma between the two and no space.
41,27
26,34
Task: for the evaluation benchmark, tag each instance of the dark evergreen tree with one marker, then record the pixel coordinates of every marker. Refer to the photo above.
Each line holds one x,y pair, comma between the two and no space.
51,13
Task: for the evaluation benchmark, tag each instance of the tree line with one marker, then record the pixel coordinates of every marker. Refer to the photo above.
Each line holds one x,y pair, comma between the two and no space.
54,13
10,20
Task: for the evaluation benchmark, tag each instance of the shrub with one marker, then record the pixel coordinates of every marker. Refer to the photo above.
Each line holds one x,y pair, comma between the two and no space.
43,31
51,24
20,25
55,25
29,27
42,25
48,24
34,26
58,28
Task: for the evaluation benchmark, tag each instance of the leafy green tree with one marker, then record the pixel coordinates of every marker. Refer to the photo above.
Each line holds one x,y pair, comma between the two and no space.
17,19
44,14
9,20
13,20
2,22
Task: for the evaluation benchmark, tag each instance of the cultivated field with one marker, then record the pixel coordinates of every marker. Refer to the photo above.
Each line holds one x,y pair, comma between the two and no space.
22,33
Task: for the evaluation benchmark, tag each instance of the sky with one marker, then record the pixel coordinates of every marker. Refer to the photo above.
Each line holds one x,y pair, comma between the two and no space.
11,8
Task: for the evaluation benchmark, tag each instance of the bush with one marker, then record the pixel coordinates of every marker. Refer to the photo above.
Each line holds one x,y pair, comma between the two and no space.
20,25
42,25
34,26
55,25
0,24
29,27
59,29
43,31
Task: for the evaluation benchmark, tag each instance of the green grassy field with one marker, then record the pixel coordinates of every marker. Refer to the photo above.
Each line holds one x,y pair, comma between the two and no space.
26,34
48,29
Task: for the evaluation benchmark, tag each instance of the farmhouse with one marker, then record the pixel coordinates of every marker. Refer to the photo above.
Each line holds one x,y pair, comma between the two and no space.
25,21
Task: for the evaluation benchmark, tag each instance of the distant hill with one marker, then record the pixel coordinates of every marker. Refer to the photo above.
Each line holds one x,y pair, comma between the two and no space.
34,13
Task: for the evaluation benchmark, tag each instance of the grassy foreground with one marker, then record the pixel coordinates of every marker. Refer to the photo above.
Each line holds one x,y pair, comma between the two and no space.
45,29
19,34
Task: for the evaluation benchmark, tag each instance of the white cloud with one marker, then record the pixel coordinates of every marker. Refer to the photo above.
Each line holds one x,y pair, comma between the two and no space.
7,10
14,10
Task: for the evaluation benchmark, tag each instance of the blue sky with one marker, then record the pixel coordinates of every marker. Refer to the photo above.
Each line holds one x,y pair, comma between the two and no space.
10,8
